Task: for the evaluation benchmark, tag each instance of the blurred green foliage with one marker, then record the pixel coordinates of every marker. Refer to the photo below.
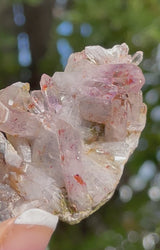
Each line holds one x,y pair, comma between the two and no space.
131,219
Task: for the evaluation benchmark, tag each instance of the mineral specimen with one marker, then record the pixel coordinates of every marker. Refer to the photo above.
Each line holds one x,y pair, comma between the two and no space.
63,148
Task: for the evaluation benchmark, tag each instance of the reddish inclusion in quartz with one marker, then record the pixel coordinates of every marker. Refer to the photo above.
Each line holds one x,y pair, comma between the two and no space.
61,131
79,179
62,157
44,87
31,105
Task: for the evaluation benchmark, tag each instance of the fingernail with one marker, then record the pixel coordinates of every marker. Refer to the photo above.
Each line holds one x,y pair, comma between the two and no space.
38,217
31,231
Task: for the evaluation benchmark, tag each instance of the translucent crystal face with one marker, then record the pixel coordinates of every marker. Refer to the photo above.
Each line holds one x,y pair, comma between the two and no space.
63,148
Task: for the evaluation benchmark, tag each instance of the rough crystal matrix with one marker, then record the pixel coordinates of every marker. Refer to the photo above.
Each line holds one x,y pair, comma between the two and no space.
63,148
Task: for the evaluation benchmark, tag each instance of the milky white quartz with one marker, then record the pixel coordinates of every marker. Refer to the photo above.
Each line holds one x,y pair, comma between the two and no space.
63,148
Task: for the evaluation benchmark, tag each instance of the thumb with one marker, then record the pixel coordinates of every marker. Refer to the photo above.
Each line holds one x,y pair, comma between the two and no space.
30,231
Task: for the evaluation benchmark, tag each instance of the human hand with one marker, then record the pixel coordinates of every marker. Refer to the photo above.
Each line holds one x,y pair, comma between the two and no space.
29,231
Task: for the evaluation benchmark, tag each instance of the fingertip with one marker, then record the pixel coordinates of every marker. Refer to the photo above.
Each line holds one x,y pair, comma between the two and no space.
30,231
5,228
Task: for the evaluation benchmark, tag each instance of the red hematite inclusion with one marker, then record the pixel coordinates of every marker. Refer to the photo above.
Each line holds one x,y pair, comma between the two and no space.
79,179
63,148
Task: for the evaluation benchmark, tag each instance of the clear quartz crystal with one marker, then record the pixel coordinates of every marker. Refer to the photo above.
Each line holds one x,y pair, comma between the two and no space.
63,148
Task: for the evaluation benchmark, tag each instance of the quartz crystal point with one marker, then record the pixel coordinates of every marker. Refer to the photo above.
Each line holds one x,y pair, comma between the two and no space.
63,148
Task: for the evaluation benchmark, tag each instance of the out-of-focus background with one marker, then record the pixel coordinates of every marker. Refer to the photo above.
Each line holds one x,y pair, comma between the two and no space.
37,36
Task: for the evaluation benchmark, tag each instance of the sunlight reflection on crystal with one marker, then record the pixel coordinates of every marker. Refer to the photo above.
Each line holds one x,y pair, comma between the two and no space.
125,193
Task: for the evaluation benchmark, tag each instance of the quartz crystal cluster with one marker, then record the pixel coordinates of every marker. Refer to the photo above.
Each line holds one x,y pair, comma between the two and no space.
63,148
